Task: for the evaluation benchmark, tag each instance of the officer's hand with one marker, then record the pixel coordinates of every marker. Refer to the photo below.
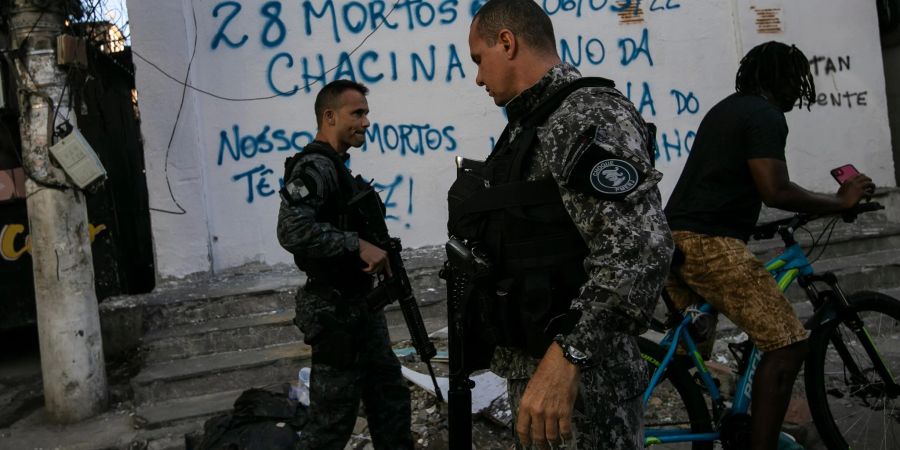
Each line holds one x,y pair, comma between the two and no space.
545,412
854,189
375,258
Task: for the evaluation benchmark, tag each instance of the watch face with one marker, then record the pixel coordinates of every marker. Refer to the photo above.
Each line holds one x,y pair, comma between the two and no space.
576,354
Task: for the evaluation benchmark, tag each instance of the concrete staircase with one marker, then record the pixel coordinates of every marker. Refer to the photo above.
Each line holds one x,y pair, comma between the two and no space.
203,342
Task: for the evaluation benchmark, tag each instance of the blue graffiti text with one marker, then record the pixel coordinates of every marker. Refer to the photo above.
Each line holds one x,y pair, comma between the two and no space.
286,76
410,139
257,180
646,97
354,17
685,102
248,146
590,50
632,50
393,193
674,144
220,34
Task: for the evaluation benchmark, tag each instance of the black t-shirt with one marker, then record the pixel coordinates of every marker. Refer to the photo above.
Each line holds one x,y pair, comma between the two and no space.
715,194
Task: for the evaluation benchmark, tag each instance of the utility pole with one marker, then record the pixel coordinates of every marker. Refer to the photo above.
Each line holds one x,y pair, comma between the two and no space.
72,364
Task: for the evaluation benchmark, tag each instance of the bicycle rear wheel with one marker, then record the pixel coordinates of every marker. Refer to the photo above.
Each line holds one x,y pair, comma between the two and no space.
848,398
677,401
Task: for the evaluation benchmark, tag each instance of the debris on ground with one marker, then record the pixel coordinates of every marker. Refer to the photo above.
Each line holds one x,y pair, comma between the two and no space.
491,420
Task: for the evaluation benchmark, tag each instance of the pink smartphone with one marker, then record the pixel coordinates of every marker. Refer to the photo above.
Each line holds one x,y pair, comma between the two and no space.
844,173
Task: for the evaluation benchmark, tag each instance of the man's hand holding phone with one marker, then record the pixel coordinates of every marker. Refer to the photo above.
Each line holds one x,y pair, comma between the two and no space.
854,185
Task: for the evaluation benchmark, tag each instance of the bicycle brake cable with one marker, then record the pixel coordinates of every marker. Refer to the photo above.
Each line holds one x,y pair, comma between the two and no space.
830,229
812,240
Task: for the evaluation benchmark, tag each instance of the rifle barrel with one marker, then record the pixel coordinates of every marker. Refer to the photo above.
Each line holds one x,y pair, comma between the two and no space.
437,389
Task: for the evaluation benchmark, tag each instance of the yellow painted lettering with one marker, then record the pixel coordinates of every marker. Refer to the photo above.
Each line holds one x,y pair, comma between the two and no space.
8,248
8,234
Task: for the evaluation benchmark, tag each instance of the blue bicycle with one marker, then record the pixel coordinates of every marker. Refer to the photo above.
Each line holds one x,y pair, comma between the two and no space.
851,373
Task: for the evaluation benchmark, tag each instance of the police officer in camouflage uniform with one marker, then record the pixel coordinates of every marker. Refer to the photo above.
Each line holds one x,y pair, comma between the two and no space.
352,358
584,390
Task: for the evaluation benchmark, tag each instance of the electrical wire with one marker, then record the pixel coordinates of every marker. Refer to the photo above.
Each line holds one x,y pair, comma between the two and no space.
181,211
811,237
59,100
27,35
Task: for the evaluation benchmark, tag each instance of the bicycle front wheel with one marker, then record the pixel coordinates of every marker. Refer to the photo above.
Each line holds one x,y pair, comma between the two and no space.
676,403
851,403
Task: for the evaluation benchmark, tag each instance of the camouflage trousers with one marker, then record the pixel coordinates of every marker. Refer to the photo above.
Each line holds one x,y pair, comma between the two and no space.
608,413
352,361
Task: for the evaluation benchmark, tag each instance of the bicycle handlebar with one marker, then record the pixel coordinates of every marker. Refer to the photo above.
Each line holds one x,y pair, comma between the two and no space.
770,229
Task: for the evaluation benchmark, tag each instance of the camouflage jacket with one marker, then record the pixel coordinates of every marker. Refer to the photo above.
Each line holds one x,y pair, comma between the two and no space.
311,183
629,241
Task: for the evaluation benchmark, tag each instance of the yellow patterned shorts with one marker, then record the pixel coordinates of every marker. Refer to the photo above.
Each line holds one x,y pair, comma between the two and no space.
723,272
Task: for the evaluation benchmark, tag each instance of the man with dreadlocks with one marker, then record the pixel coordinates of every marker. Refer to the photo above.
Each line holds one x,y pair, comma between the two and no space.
736,163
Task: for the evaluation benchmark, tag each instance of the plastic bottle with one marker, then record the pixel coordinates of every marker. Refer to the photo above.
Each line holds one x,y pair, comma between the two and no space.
787,442
300,392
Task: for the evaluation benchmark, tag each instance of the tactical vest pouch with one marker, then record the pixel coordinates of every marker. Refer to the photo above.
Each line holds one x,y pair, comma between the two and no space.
522,313
462,224
533,307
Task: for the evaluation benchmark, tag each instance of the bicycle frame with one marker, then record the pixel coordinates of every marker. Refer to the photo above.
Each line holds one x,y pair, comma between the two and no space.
786,267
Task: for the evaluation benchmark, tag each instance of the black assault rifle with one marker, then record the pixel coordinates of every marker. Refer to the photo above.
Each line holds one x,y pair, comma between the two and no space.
469,350
396,288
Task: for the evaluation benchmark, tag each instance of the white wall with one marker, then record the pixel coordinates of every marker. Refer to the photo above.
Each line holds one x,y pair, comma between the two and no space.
675,59
891,54
181,240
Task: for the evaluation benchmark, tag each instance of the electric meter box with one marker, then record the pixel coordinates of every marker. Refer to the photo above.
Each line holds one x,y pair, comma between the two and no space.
78,160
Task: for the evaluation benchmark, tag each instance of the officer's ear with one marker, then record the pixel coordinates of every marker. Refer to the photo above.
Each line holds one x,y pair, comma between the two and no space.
508,40
328,117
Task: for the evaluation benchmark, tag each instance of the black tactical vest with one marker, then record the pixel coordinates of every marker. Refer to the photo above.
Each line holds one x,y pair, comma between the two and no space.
345,270
536,250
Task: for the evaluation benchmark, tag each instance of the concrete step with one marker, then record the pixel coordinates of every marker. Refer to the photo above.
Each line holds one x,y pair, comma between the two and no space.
845,240
220,335
219,372
429,290
399,331
430,307
193,311
244,291
873,270
179,410
261,330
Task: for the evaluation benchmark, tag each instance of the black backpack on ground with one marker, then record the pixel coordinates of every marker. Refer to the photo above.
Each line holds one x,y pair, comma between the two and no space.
261,420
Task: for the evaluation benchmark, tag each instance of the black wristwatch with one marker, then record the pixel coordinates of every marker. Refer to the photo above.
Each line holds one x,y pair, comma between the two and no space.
573,355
